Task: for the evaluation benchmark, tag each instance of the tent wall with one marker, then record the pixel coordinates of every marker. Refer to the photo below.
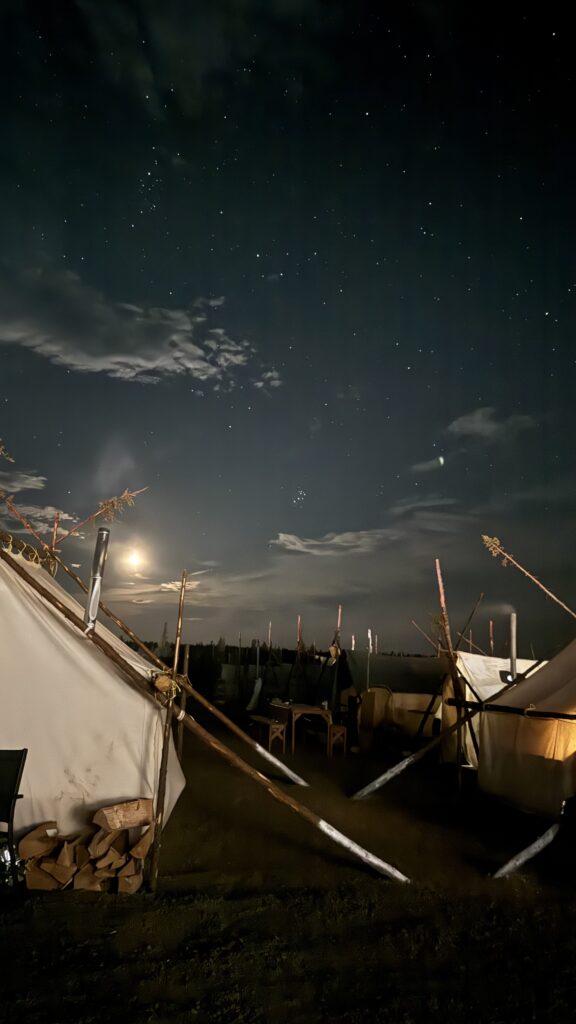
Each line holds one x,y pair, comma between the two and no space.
91,740
529,762
482,677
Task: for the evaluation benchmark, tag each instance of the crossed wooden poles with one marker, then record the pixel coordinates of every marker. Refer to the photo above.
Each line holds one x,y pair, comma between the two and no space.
137,682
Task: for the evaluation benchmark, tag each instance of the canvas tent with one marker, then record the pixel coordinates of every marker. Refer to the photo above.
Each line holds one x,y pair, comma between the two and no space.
395,691
482,677
528,739
91,740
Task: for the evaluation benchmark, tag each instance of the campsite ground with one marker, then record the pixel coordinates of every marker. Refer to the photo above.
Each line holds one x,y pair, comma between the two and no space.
261,920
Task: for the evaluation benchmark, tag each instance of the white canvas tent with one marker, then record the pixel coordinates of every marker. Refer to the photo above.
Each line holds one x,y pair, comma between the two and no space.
483,677
91,740
528,745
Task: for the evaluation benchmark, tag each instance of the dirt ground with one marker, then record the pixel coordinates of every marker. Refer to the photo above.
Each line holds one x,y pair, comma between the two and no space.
260,919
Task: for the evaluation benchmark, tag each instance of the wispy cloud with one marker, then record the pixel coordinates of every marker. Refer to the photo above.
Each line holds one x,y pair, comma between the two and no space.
41,518
12,482
58,316
484,425
430,501
352,542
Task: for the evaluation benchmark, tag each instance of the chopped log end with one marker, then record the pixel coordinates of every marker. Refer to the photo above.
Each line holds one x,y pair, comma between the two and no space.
129,814
41,840
131,883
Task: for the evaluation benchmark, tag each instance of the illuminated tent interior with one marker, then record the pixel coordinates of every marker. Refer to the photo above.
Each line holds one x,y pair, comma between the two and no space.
482,677
528,739
92,741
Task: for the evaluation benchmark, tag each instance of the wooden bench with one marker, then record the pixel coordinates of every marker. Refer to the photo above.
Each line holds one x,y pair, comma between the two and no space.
274,730
336,737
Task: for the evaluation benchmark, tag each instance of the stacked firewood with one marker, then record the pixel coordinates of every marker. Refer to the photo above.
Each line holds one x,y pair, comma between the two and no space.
107,855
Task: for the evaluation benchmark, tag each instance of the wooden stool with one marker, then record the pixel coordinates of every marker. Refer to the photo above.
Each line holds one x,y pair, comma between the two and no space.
276,730
336,735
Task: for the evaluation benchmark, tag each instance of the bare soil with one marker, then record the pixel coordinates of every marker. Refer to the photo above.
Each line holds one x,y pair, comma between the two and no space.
260,919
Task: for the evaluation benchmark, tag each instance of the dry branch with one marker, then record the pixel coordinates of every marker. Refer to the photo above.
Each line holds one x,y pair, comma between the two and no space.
497,551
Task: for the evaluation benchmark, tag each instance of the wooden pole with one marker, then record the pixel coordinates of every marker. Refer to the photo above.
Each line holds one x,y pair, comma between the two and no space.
495,548
182,704
161,794
132,677
453,669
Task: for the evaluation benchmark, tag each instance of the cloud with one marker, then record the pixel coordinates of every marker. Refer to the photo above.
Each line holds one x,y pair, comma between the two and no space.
114,466
431,501
352,542
268,379
484,425
12,482
166,60
58,316
41,518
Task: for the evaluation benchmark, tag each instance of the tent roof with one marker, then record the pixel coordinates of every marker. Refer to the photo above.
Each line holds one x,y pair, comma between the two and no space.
483,671
551,690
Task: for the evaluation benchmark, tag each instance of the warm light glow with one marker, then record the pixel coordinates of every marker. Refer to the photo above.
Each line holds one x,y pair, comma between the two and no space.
134,559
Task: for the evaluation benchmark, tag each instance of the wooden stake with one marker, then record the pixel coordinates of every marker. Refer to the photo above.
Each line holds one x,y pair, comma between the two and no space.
131,677
161,794
180,729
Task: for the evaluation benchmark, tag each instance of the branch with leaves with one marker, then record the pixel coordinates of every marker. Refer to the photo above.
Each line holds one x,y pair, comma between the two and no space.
497,551
108,509
3,453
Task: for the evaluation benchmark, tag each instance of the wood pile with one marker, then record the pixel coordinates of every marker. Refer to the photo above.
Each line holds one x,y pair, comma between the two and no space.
106,856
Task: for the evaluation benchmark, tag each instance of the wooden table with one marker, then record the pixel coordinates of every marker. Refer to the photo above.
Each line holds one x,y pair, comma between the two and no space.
286,712
299,710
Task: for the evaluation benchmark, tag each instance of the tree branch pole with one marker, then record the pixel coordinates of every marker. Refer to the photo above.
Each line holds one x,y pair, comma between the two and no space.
132,677
453,667
230,725
180,729
495,548
161,795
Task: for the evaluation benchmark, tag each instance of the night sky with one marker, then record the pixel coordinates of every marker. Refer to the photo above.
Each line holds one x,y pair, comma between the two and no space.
305,270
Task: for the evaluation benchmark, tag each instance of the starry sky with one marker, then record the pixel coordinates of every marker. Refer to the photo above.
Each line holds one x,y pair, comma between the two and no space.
305,270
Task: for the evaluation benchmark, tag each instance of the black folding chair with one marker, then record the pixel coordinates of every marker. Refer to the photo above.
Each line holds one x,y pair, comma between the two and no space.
11,768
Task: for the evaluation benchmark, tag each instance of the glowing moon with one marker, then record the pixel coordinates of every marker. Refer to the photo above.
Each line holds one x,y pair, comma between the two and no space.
134,559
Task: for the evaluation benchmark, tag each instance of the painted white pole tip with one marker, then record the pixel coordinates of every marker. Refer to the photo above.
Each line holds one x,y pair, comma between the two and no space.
539,844
281,766
369,858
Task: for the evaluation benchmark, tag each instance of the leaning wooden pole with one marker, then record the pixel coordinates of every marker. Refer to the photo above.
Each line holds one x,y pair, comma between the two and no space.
180,729
161,794
132,678
496,550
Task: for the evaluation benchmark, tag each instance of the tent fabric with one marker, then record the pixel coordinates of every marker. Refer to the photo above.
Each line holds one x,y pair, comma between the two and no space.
531,762
91,739
482,679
